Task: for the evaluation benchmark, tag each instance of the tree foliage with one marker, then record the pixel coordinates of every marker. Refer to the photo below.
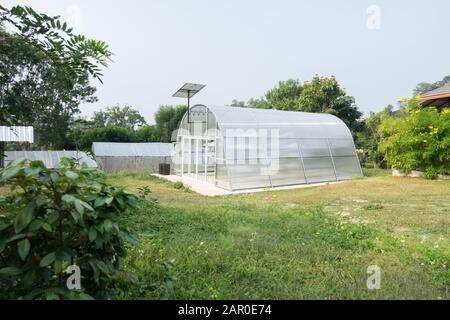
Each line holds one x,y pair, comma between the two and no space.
419,141
53,219
33,91
320,95
167,120
76,54
45,70
125,117
325,95
285,95
370,136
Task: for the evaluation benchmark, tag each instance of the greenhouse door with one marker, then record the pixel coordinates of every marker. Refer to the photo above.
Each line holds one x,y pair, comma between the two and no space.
198,159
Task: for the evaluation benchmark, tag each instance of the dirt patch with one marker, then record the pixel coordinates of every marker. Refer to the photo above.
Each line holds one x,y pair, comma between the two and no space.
401,229
344,213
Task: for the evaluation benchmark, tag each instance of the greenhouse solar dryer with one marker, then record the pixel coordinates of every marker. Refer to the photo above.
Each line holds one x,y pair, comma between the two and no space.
244,149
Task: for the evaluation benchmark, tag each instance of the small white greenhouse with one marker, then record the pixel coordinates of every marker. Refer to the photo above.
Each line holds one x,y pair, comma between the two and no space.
244,148
118,156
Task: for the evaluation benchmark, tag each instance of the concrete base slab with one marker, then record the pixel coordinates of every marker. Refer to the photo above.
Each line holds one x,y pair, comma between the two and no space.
201,187
210,190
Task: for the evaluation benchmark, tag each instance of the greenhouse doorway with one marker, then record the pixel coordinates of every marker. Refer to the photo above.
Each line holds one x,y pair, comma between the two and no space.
198,158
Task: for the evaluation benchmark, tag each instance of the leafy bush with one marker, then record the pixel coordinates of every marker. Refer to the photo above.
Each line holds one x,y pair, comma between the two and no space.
53,219
421,141
181,186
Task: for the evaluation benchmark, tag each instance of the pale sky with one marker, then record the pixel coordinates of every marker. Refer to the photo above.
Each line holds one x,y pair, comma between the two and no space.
378,50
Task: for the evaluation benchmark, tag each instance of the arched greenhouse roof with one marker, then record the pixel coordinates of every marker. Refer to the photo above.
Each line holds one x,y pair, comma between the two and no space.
291,124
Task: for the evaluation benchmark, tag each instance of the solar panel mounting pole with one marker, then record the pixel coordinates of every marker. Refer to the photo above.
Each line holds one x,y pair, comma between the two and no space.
189,105
188,91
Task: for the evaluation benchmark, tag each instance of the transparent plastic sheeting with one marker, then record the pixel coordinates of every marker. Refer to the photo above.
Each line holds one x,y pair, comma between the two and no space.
243,148
120,149
49,158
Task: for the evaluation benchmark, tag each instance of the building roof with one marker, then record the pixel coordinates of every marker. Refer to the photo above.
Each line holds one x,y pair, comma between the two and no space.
439,97
16,134
122,149
50,158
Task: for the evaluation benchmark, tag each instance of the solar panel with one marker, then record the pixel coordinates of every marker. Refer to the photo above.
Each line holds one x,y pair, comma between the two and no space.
188,90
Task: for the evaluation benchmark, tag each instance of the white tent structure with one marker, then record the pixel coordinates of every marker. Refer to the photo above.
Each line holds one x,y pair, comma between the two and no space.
50,158
244,148
117,156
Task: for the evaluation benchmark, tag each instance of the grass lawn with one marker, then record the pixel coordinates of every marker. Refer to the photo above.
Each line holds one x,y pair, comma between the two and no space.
294,244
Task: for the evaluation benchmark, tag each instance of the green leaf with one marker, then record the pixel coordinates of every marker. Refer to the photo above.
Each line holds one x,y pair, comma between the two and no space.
48,259
35,225
25,217
107,225
109,200
23,248
79,206
11,271
51,296
87,205
75,215
47,227
32,171
9,172
92,234
71,175
17,237
3,226
99,202
54,176
3,244
57,266
68,198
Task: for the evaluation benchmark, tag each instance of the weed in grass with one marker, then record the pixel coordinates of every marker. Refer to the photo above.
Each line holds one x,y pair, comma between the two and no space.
181,186
373,206
340,233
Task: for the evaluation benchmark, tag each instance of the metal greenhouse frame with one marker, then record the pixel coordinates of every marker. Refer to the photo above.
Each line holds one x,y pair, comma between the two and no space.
244,148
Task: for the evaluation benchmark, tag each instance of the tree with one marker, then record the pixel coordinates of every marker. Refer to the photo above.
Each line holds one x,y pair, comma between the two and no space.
147,133
34,91
325,95
258,103
282,97
78,55
424,87
370,136
45,71
125,117
420,140
83,138
167,120
285,95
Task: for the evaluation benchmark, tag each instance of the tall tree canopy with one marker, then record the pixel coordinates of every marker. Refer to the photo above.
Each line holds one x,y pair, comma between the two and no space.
125,117
321,95
325,95
167,120
285,95
45,70
282,97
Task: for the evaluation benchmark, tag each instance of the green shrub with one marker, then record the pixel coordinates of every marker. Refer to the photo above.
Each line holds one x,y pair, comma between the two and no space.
181,186
178,185
419,142
53,219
